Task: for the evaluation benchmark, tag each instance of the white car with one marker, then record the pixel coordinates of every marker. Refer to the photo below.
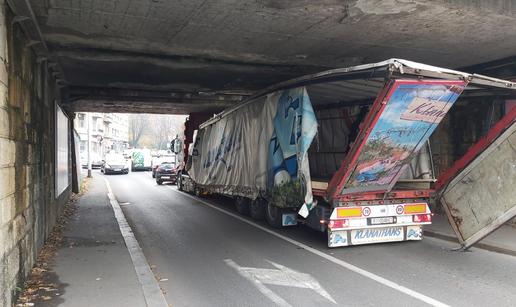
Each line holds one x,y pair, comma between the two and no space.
114,163
96,161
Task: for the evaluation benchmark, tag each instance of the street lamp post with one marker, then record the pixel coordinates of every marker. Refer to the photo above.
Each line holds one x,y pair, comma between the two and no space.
89,145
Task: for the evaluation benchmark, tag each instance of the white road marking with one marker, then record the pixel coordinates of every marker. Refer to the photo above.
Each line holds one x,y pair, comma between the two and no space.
263,289
151,291
282,277
344,264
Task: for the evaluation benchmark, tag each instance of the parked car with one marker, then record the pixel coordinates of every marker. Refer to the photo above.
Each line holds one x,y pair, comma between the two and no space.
114,163
166,172
96,161
158,161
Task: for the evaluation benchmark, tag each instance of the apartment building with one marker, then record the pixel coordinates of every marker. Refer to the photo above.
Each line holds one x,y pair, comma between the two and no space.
109,132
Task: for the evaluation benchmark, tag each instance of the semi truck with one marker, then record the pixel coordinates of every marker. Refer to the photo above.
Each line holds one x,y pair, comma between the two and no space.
343,151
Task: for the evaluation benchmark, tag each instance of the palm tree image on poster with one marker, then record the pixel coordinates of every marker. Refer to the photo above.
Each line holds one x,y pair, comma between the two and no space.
411,114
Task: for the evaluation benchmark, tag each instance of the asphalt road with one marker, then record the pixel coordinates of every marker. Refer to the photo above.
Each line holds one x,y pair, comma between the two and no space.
211,256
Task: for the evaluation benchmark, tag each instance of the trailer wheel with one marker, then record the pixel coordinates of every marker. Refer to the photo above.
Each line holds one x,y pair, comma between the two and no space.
257,209
274,215
242,205
179,183
198,192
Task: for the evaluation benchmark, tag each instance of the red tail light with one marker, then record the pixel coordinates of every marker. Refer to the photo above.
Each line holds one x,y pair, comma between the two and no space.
420,218
175,170
158,170
338,224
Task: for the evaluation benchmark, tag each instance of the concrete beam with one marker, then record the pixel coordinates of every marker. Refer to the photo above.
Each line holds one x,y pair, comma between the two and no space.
171,106
117,100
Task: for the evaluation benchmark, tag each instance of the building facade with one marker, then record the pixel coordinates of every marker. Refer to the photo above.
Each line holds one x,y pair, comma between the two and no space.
109,132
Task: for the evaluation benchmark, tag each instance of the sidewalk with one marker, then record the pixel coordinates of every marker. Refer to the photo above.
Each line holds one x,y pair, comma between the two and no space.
101,263
502,240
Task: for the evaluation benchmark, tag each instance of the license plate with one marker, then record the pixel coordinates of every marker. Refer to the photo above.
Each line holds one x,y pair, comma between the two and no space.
117,169
381,220
165,177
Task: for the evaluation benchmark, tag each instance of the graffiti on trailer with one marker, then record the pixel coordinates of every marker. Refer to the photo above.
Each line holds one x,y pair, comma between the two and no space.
229,144
293,119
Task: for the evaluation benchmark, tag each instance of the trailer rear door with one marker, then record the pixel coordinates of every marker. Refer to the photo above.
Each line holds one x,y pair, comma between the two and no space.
401,120
478,193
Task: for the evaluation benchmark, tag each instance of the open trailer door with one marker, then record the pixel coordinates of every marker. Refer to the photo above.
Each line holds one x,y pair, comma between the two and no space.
399,123
478,192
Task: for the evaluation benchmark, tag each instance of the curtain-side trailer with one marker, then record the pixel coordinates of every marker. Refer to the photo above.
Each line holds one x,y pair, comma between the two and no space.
343,151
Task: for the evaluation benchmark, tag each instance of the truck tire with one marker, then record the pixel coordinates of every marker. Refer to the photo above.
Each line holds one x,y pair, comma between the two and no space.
242,205
198,191
257,209
179,183
274,215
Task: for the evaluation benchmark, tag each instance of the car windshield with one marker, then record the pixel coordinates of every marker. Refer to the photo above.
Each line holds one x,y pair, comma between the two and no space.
116,157
167,166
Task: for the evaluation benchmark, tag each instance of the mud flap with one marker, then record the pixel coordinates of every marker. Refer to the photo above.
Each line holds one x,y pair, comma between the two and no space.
414,232
289,219
338,238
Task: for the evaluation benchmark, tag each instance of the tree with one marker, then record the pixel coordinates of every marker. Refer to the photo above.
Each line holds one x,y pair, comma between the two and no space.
137,127
165,129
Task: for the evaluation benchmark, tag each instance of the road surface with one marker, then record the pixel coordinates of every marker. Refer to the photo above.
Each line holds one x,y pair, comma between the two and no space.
207,255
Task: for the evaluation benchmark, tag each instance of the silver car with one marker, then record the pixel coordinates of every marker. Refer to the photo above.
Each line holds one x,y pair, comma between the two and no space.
114,163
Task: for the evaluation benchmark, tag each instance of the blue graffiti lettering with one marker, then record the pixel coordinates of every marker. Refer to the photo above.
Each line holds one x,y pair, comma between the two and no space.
291,165
207,162
291,105
339,238
296,130
275,144
228,143
412,233
378,233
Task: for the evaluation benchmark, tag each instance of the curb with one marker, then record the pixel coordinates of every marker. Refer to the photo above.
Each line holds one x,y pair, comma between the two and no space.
486,246
150,287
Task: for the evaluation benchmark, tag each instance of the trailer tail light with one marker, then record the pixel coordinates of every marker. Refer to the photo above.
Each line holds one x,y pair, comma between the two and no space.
420,218
338,224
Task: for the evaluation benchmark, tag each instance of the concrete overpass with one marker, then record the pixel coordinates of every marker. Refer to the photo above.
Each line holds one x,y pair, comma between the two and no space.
166,56
205,54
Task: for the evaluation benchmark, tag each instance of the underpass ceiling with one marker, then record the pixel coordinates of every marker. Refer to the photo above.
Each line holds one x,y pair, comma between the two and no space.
234,48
